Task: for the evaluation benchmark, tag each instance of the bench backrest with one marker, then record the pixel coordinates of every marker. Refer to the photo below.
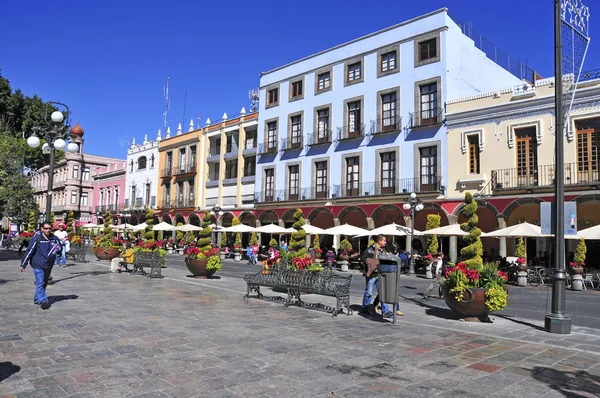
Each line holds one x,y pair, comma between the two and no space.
146,258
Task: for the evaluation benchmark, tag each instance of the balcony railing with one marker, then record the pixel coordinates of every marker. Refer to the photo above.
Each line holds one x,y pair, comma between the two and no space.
267,148
401,186
351,132
185,203
319,138
166,172
291,143
229,201
386,125
247,199
523,90
210,202
542,176
185,169
428,118
105,208
165,204
311,193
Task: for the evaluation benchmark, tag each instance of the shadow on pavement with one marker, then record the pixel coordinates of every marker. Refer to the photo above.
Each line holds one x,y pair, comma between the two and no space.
203,278
56,299
375,317
444,313
520,322
8,369
78,274
576,383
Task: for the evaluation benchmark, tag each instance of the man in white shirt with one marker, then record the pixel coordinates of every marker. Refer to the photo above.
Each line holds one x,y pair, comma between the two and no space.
61,234
437,264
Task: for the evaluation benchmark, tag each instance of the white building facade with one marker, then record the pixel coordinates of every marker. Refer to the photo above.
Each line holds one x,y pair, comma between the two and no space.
142,175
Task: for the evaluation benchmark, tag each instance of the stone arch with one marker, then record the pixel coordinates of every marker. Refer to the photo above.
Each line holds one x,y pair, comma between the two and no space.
593,197
354,215
512,214
248,218
588,216
387,214
321,217
167,218
288,218
227,219
480,203
179,218
269,217
430,208
194,219
142,162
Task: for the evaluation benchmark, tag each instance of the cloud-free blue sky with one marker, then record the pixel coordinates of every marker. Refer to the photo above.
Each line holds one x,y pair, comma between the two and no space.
109,60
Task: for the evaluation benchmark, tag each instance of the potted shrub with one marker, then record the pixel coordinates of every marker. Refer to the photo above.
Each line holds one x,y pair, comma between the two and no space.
317,246
202,264
472,292
433,221
170,245
521,253
576,267
305,263
346,247
273,243
237,244
107,247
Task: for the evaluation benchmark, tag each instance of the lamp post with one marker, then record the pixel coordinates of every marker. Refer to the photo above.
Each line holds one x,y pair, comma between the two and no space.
413,204
55,140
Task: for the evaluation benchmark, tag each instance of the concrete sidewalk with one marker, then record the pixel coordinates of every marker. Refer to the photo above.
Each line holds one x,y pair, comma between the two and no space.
114,335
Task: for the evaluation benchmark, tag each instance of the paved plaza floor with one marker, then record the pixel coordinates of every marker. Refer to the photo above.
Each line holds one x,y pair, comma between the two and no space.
118,335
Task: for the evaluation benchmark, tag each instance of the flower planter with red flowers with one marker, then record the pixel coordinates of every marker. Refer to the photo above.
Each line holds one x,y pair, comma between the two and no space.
107,253
576,270
202,264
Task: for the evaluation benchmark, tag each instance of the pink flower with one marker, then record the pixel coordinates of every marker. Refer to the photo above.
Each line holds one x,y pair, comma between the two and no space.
503,275
473,275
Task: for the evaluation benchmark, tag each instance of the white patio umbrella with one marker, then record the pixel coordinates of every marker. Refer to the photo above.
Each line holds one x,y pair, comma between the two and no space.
312,230
92,226
592,233
122,227
273,229
525,230
392,229
238,228
163,226
345,229
448,230
188,228
139,227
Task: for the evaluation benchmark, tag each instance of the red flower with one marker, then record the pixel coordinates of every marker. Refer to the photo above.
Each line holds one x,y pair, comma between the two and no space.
521,260
503,274
473,275
428,257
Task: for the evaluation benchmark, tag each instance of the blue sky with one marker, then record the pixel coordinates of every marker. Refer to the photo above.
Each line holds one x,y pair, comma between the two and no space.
109,60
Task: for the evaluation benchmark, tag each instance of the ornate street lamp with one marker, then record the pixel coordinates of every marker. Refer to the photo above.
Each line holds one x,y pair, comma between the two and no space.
413,204
56,139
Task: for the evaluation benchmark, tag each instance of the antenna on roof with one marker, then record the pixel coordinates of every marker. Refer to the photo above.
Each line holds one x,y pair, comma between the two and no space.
167,103
253,96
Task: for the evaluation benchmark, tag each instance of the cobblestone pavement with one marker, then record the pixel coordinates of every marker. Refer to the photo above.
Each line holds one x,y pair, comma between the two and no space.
117,335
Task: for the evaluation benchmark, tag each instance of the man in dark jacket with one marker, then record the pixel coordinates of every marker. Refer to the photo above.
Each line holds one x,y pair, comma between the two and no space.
41,253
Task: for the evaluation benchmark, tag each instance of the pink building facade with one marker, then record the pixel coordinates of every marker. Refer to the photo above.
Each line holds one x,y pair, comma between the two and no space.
109,191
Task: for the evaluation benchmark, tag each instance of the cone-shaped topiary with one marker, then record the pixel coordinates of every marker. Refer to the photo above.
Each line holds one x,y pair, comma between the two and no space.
316,242
149,232
298,239
107,234
253,239
204,235
433,221
52,219
70,230
580,252
31,222
273,243
179,234
472,253
160,235
238,236
520,251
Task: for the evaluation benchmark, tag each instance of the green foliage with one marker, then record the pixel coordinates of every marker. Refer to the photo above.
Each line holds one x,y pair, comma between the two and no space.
70,229
371,242
253,239
238,236
204,235
580,252
298,238
473,250
107,237
316,242
460,279
16,193
496,298
179,234
273,243
521,252
345,245
149,232
213,264
160,235
52,220
433,221
31,222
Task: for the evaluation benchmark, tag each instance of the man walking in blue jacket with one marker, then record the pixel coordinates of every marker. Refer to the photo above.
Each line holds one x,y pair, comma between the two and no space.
41,253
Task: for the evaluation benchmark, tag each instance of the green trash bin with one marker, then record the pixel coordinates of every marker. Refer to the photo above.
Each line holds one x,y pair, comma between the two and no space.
389,280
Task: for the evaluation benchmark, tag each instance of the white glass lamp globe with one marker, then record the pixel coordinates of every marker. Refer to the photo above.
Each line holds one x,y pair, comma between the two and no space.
419,207
33,141
406,206
413,195
60,144
46,148
72,147
57,117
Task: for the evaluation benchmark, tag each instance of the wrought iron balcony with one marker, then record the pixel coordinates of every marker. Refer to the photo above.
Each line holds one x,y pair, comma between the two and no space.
351,132
427,118
166,172
267,148
310,193
185,169
319,138
104,208
291,143
165,204
185,203
401,186
229,201
386,125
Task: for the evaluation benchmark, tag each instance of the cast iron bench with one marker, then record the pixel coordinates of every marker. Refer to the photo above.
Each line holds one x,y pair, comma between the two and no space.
152,260
77,253
326,283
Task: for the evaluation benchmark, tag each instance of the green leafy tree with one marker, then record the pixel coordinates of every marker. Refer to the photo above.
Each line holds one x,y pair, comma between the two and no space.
298,238
52,219
316,242
238,236
473,250
107,236
149,232
179,234
31,222
580,252
433,221
520,251
253,239
273,243
204,235
70,230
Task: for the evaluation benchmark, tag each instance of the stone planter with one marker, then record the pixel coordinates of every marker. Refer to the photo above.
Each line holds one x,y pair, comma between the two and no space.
107,253
222,255
522,278
197,267
170,249
343,265
577,282
471,308
237,257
